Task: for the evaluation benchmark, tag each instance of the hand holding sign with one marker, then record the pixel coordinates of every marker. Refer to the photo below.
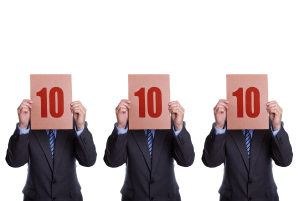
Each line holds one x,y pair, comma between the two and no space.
122,111
79,113
247,96
275,113
220,112
177,114
24,111
51,97
149,96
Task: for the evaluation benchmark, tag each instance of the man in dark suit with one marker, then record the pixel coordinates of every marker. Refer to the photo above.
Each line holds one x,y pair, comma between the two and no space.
51,156
149,156
247,156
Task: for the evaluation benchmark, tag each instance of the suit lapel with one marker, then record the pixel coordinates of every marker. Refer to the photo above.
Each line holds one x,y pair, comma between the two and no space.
61,139
239,140
157,146
43,139
141,140
256,143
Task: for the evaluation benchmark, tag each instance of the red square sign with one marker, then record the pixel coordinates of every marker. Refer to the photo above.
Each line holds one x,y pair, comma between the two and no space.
51,96
247,96
149,96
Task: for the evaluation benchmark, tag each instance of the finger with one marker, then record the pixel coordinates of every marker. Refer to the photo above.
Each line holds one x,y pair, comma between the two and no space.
173,102
76,102
275,110
272,104
225,105
220,109
176,111
75,106
29,104
123,109
24,110
78,111
78,106
273,107
124,105
176,107
124,101
173,106
26,105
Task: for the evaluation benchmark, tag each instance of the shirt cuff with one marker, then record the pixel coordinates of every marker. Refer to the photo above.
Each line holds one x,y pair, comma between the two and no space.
78,132
176,132
274,132
23,131
219,131
121,131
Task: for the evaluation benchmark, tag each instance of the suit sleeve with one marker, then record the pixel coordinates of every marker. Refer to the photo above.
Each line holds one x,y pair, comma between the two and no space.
17,152
282,153
115,152
85,148
214,149
183,150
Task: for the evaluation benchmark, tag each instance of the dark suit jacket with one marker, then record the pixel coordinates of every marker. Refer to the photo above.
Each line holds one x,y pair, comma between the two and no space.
246,179
146,180
49,179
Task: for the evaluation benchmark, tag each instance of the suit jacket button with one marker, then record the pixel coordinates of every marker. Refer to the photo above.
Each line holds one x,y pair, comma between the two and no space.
54,198
53,181
250,181
249,198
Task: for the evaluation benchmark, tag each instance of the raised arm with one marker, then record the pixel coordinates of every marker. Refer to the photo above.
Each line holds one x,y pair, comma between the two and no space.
116,146
17,151
84,145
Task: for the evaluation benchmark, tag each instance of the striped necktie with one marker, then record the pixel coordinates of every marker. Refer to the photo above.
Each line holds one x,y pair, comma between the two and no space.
52,142
150,141
248,141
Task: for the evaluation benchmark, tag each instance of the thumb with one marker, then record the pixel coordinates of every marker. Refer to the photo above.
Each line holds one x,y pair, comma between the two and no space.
173,116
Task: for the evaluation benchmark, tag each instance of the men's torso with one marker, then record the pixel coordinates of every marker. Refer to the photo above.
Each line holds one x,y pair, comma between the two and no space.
248,178
52,178
146,176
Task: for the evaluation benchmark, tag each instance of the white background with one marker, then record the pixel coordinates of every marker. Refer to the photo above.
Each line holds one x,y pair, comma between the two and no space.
196,42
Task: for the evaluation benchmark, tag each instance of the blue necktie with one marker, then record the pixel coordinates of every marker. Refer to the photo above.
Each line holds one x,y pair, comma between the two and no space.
52,142
247,141
150,141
